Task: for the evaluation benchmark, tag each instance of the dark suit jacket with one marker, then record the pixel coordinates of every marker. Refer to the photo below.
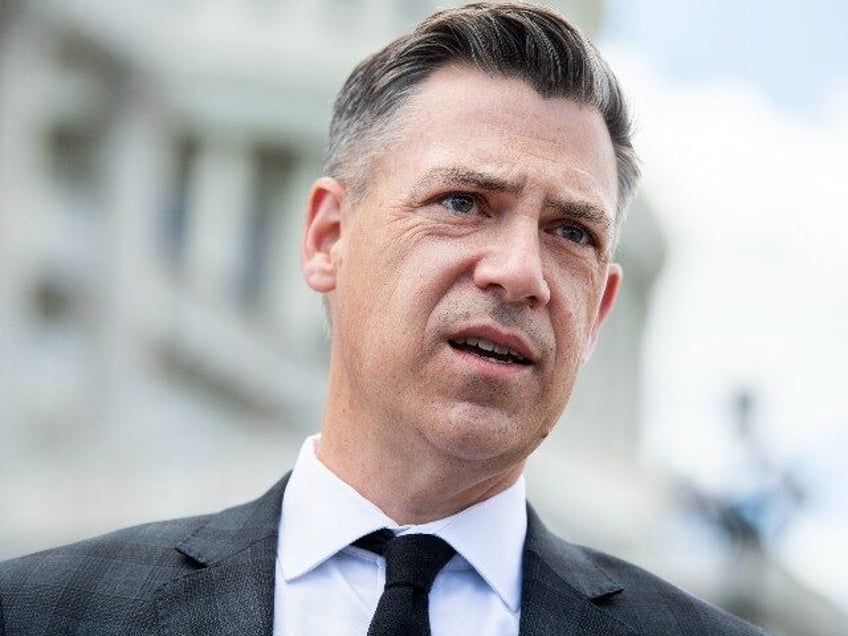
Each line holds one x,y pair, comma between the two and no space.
214,574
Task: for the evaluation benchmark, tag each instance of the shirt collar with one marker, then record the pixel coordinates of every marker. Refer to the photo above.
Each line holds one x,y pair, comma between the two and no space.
489,535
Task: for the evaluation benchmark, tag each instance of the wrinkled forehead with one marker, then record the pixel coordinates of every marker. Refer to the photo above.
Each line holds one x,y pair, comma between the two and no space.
465,120
396,111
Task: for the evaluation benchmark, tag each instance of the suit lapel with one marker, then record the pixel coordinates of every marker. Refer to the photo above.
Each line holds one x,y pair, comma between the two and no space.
232,591
563,590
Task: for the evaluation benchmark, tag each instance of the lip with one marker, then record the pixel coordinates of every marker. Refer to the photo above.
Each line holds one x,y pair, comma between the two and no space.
508,338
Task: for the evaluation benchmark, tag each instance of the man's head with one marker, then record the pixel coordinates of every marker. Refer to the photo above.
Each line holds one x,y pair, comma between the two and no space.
466,257
527,42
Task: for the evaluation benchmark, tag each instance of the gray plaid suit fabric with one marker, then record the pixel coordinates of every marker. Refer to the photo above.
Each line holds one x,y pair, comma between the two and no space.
214,574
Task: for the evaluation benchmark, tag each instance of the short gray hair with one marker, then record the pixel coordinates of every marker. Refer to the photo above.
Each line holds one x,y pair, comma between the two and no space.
531,43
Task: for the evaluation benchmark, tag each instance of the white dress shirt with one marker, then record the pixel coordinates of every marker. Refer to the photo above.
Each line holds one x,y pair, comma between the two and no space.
326,587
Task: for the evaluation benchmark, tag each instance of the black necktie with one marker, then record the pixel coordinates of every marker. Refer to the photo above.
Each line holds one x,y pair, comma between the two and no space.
412,563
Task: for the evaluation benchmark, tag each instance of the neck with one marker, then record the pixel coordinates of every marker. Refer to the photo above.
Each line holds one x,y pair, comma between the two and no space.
410,484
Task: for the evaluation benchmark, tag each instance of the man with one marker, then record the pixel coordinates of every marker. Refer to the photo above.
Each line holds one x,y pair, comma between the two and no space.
462,236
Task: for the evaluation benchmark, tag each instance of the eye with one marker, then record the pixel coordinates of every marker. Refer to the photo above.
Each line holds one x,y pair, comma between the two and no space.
460,203
573,233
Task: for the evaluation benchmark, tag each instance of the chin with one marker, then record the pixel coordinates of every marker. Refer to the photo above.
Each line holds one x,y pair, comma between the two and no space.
476,433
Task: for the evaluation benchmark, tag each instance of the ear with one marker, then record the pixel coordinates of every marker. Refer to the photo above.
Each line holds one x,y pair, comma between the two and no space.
319,257
614,276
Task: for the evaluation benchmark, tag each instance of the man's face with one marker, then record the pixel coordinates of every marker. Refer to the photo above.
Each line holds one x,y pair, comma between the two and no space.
467,285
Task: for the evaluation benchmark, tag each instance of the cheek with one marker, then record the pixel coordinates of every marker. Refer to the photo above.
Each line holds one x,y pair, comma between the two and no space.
431,269
572,313
389,291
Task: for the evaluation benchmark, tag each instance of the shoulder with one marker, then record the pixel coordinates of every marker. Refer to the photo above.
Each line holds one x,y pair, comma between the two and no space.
644,602
109,576
142,544
109,584
648,599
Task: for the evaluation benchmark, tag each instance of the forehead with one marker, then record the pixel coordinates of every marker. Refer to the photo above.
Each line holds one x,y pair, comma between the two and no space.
460,118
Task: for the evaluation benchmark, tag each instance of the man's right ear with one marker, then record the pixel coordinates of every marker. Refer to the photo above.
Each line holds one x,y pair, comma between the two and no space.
319,252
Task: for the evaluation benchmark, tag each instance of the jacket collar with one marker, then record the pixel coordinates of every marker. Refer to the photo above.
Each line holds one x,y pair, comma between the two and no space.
564,589
236,529
232,591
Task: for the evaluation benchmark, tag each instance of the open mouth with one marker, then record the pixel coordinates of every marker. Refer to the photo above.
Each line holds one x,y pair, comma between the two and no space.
489,350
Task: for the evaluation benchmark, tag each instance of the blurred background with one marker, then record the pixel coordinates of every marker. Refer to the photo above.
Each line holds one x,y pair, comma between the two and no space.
160,355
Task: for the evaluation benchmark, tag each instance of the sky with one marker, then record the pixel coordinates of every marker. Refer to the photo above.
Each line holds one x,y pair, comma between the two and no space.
742,124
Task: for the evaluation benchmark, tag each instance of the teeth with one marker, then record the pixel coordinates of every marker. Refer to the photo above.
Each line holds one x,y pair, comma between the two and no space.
488,345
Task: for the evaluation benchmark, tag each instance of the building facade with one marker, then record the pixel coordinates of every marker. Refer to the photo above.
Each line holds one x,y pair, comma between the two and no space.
158,347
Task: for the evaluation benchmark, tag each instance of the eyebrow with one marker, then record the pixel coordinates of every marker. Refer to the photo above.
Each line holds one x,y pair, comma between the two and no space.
460,177
581,211
464,178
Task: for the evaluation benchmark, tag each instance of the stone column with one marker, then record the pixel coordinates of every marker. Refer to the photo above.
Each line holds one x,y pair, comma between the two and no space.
24,64
219,198
136,164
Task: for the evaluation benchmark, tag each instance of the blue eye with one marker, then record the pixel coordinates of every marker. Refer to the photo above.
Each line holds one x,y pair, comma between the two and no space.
459,203
574,234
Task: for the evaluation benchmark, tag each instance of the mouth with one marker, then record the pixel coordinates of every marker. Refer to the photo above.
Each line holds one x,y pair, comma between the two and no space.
489,350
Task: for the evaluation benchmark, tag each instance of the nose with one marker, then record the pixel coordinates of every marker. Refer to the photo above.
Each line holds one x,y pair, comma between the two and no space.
512,265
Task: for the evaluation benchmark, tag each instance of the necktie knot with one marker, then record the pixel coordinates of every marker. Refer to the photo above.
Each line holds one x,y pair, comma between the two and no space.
412,563
415,560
